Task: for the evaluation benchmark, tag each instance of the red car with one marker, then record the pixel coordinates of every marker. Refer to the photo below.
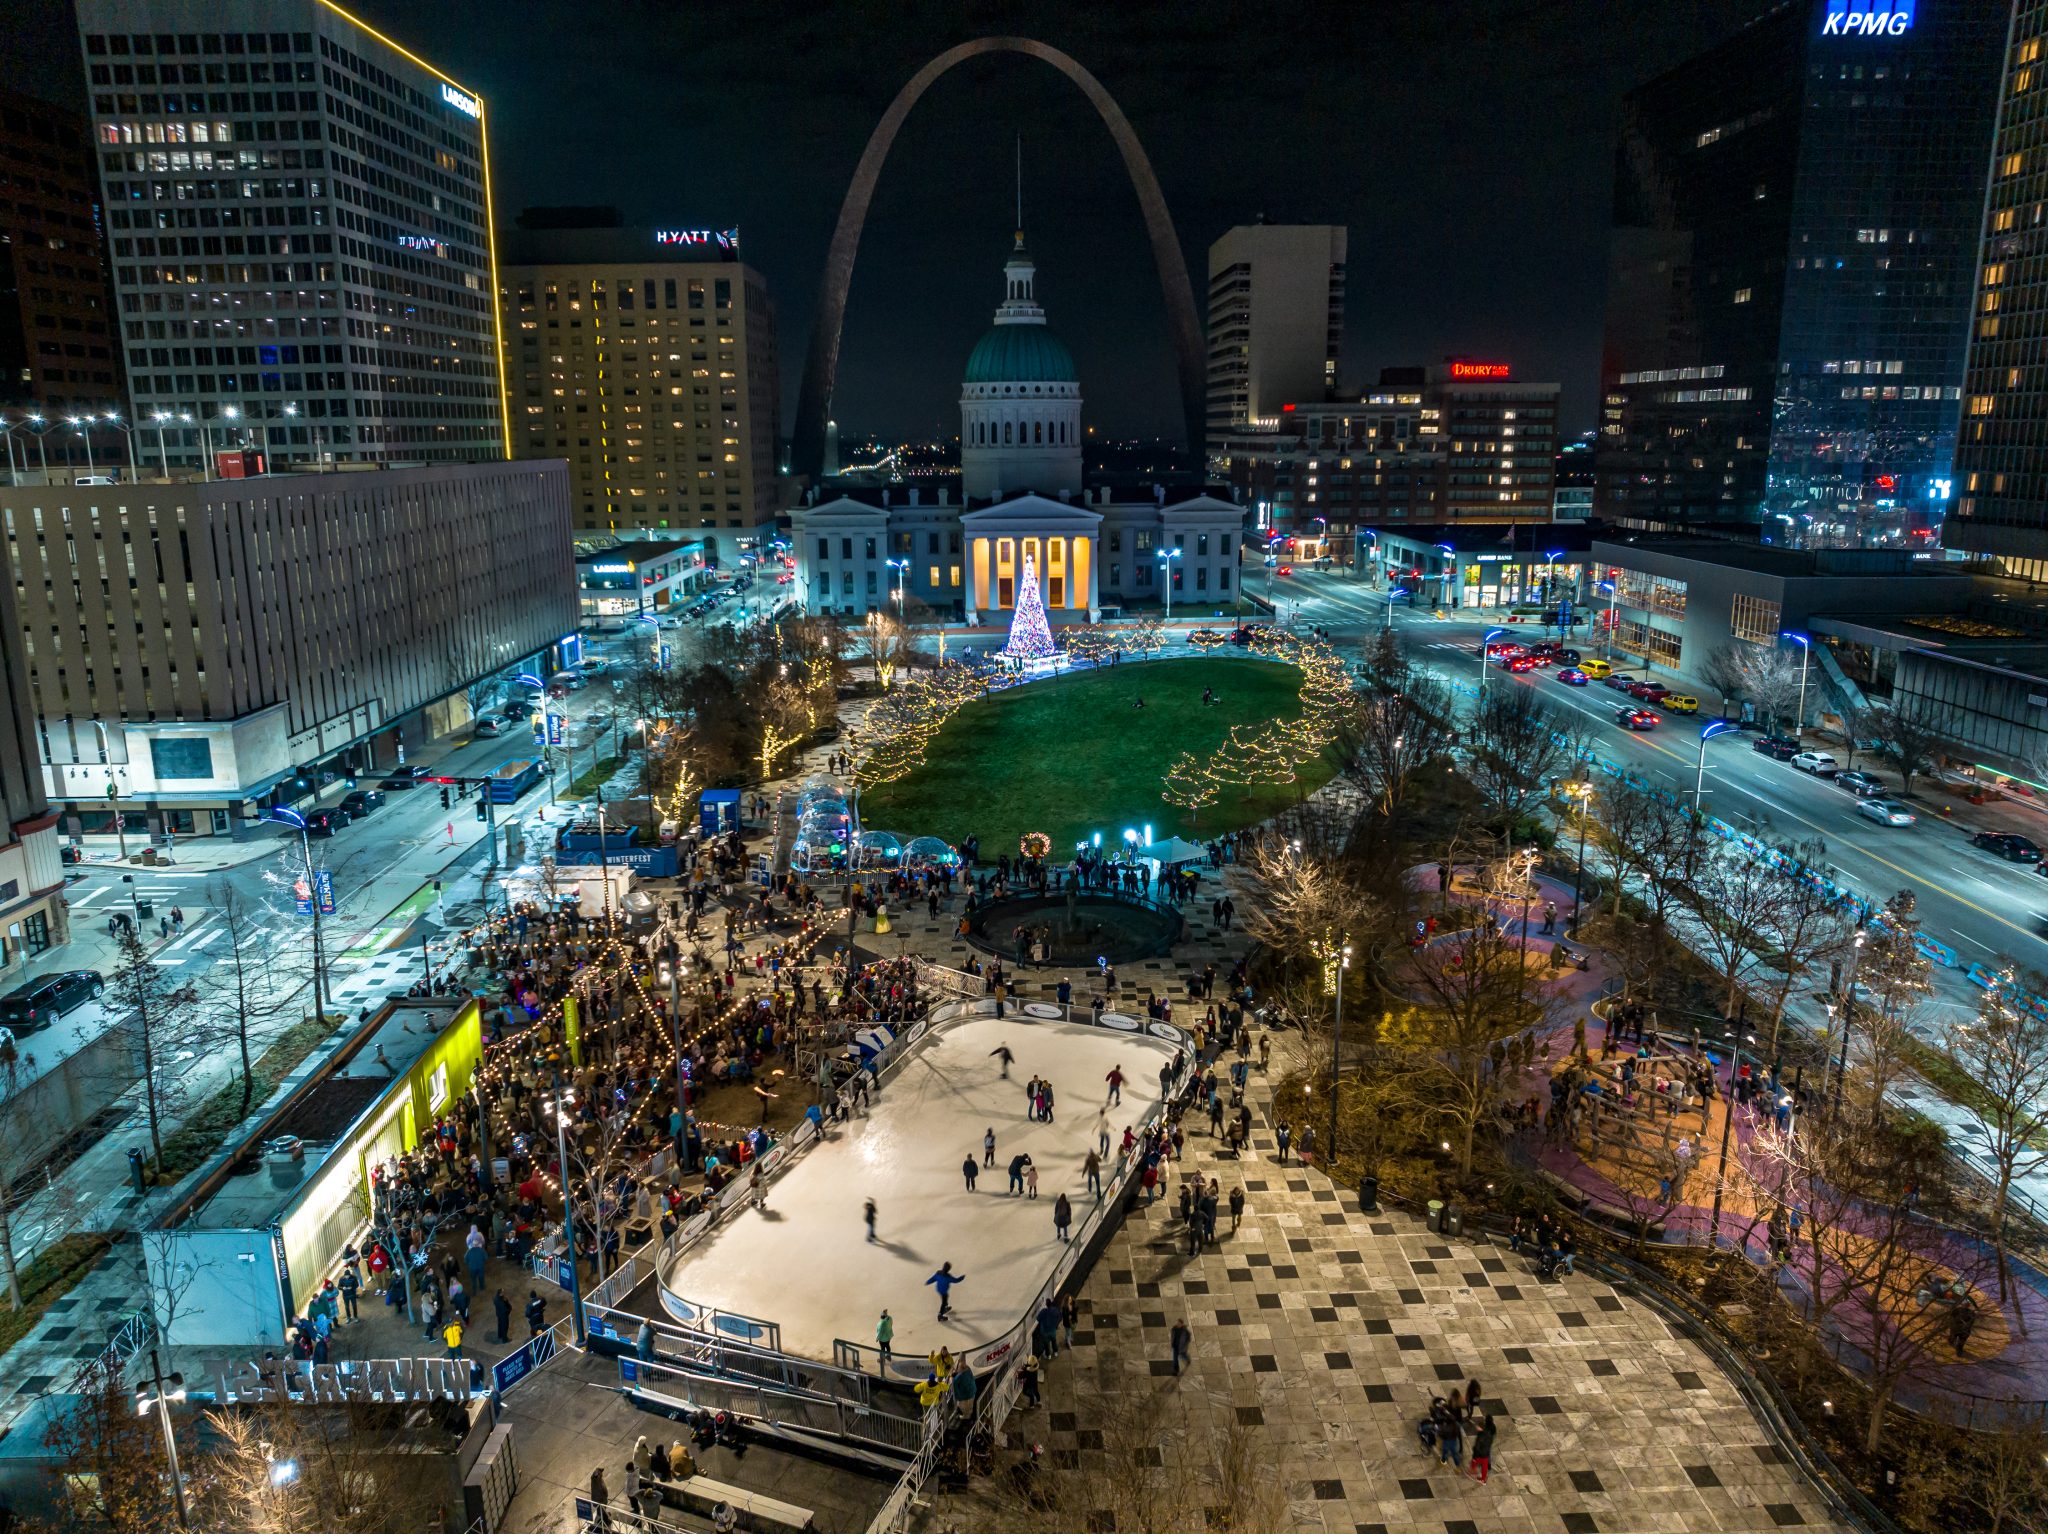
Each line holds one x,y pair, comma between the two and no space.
1286,570
1649,692
1503,647
1636,719
1520,663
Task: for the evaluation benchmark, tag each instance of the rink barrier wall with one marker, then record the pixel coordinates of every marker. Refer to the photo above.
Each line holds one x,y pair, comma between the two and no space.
880,1066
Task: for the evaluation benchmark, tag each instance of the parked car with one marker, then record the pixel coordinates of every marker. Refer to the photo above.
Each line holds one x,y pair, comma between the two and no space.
1819,763
1520,663
595,665
405,777
1571,676
1649,692
1680,703
1886,812
1619,682
325,822
2008,845
362,802
1565,655
1635,719
1779,748
1861,784
486,725
520,708
40,1003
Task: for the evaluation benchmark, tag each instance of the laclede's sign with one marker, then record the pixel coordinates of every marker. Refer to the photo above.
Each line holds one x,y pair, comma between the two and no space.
1868,18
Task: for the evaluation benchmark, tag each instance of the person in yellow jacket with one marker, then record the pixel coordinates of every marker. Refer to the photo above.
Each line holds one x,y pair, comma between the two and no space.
930,1393
452,1335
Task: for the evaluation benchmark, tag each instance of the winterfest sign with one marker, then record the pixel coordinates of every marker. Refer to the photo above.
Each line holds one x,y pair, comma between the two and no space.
301,1382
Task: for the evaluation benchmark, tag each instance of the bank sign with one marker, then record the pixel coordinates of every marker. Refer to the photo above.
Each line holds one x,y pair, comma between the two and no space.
1868,18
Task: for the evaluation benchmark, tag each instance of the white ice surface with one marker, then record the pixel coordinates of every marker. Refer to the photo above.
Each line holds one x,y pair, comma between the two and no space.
806,1263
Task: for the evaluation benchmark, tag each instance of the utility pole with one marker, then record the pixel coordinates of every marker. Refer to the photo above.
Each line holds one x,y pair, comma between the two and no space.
1337,1055
163,1407
569,1207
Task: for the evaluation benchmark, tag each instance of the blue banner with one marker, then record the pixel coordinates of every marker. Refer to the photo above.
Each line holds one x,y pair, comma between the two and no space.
554,729
323,890
514,1367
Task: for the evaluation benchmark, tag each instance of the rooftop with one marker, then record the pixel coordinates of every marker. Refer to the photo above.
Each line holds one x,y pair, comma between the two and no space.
640,551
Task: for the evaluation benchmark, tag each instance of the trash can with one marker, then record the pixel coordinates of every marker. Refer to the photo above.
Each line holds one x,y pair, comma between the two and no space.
135,1170
1369,1196
145,909
1454,1221
1436,1214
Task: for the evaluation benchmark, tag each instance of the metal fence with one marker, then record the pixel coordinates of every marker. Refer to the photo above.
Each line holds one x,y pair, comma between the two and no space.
844,1420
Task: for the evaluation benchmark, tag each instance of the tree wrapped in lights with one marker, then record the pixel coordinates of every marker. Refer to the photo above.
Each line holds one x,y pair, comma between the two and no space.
1030,630
1251,759
1189,785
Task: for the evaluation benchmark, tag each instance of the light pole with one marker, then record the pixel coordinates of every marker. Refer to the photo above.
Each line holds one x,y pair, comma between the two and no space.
1450,570
902,569
1805,644
161,1402
42,448
163,453
1549,583
83,426
206,444
113,790
1583,792
291,413
1490,636
1848,1018
1166,559
286,816
1699,787
1607,640
115,421
1336,1055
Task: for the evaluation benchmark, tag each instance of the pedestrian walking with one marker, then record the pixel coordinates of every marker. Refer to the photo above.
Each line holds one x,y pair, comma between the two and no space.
1092,1166
1285,1135
1029,1370
1482,1450
968,1170
452,1335
1181,1339
600,1498
1070,1317
502,1309
1062,1216
536,1313
1236,1207
943,1281
1450,1438
885,1335
350,1285
868,1214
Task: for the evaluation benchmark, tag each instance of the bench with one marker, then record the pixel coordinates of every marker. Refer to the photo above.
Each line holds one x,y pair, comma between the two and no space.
699,1494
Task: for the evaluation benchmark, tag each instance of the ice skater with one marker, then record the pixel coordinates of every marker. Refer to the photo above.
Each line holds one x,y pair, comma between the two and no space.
1002,1052
1115,1078
988,1146
885,1334
757,1190
969,1171
868,1214
943,1281
1018,1163
1102,1132
1062,1216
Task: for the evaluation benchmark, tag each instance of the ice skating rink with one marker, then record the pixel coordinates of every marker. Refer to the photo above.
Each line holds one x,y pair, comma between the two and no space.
806,1263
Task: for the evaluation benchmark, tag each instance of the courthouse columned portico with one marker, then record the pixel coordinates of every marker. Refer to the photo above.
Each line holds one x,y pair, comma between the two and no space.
1064,542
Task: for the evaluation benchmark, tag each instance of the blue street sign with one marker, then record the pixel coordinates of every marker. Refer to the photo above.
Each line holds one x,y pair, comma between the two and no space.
554,729
664,655
323,888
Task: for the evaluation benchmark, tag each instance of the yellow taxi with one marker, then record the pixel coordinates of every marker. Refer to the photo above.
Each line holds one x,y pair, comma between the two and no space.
1598,670
1679,703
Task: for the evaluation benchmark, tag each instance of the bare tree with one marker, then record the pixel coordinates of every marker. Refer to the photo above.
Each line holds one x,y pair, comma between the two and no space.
1806,926
887,642
1515,750
289,1469
1734,900
1389,736
243,985
1906,733
160,1011
2004,1050
1642,838
1765,677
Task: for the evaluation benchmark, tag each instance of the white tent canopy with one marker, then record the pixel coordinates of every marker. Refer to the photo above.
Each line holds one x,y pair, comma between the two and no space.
1174,850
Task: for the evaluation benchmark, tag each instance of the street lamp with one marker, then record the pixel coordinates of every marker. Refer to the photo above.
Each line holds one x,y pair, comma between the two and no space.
1490,636
1583,792
1848,1016
291,413
1613,596
902,569
1699,786
1336,1056
82,425
206,442
285,816
1166,559
160,1403
113,419
113,789
163,453
1549,586
1805,644
41,428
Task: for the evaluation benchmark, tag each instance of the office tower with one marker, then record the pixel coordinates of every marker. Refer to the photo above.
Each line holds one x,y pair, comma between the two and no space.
1796,217
646,358
56,345
2001,485
299,219
1276,321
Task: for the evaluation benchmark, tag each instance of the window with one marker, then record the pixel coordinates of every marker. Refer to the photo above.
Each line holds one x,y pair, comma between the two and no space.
1202,544
871,552
953,577
181,757
437,1088
824,548
935,575
846,548
1755,619
871,583
1201,577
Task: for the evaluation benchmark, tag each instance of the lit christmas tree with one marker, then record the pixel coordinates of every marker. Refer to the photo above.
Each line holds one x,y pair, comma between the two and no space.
1030,632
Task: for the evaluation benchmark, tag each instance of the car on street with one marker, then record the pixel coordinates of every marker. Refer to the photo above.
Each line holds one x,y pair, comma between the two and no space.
1779,748
40,1003
404,777
1285,570
1207,637
486,725
1520,663
325,822
362,802
1886,812
1819,763
2009,845
1649,692
1598,670
1619,682
1680,703
1861,784
1635,719
596,665
1500,647
1571,676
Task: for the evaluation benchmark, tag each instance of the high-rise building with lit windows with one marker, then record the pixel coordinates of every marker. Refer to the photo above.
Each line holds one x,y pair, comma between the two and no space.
2001,488
646,358
1795,230
299,227
1276,321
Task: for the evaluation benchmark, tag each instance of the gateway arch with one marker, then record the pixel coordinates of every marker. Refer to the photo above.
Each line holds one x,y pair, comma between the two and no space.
821,366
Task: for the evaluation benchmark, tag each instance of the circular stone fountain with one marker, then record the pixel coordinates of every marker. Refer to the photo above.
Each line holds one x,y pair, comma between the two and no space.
1078,926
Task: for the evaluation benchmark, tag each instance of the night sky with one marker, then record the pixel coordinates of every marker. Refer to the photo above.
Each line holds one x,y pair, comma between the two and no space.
1467,145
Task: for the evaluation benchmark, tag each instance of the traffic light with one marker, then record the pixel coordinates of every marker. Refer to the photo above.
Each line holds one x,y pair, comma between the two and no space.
483,811
444,798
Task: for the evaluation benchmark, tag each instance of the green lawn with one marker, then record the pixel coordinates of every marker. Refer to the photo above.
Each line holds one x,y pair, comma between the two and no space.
1076,756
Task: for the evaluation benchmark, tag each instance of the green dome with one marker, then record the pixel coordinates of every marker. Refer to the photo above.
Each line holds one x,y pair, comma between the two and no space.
1020,354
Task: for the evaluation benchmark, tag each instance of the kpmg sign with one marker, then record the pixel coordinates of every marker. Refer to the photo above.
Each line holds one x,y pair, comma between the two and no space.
1868,18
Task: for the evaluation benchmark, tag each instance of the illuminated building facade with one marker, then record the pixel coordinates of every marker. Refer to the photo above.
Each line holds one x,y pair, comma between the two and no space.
1796,220
646,358
299,218
1276,321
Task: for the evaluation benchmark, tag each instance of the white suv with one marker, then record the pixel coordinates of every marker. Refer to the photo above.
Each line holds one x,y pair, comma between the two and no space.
1819,763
